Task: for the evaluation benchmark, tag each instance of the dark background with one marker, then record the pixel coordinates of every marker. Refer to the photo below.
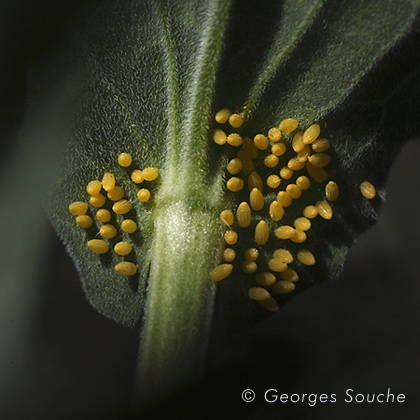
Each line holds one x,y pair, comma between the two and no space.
360,332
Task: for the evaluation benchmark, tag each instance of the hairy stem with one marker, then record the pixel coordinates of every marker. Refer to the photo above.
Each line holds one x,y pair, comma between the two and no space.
179,299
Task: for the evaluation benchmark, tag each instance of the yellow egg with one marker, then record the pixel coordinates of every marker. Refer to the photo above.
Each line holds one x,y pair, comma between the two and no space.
103,215
117,193
94,187
78,208
98,246
84,221
122,248
108,181
150,174
243,215
126,268
129,226
223,115
226,217
368,190
288,125
143,195
221,272
124,159
108,231
122,207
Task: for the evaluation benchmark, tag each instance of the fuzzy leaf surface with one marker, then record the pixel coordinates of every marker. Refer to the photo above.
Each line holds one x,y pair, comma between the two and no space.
152,73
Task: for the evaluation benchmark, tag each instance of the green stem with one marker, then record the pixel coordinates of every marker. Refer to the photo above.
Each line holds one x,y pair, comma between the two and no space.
180,297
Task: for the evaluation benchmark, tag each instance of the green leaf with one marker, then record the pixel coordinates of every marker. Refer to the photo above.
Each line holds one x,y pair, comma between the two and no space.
150,77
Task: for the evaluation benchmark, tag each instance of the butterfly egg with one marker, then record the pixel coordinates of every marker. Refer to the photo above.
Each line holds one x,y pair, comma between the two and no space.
98,246
310,212
256,199
122,207
258,293
274,134
235,139
229,255
277,265
288,125
286,173
220,272
219,136
116,194
247,163
265,279
235,184
143,195
236,120
303,182
251,254
304,154
108,181
273,181
255,181
262,233
231,237
243,214
305,257
302,223
368,190
103,215
320,145
278,149
284,232
234,166
124,159
295,164
283,287
150,174
226,217
249,267
222,116
108,231
324,209
126,268
311,134
284,255
331,191
276,211
289,275
122,248
317,173
129,226
271,161
94,187
284,198
261,142
137,176
294,191
78,208
269,304
84,221
319,160
250,148
297,143
298,236
97,200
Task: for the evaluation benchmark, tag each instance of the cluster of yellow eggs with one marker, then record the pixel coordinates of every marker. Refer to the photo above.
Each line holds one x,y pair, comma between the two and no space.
285,151
99,192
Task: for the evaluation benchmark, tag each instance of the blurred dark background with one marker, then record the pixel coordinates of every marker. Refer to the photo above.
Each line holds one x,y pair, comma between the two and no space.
360,332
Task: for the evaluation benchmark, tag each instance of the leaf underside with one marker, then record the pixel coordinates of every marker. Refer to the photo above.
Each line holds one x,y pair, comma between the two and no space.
150,76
